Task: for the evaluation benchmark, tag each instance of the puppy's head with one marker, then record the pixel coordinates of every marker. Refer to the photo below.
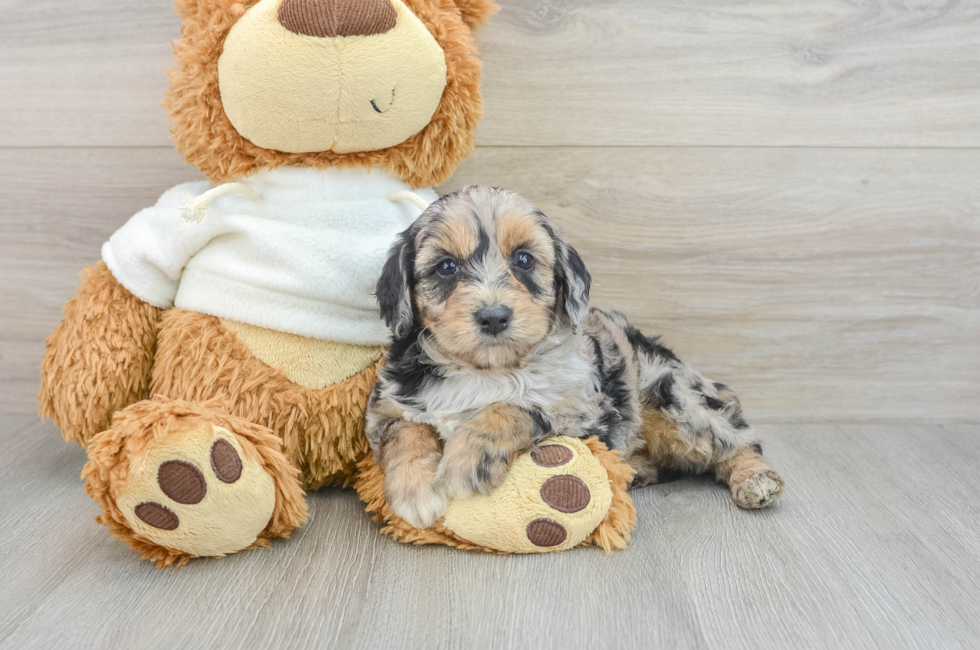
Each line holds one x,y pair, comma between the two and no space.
487,275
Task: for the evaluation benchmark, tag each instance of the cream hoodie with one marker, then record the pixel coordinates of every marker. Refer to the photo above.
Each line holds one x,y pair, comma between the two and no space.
295,250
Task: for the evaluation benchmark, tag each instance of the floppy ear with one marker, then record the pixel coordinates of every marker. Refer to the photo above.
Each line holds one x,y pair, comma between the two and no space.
572,281
476,12
394,290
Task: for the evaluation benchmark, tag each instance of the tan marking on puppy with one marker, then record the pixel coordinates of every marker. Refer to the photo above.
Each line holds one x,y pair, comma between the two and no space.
667,447
410,458
458,333
454,325
529,327
519,230
387,408
430,312
455,236
480,452
523,232
752,480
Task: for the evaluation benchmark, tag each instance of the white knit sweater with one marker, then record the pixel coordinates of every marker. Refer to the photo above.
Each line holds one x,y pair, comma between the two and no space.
303,258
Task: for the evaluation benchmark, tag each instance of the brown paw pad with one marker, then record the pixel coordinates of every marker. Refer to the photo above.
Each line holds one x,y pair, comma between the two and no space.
182,482
225,462
185,484
566,493
157,516
552,456
546,532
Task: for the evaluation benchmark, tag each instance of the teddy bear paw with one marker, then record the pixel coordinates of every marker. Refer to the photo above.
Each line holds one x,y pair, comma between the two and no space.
551,500
201,494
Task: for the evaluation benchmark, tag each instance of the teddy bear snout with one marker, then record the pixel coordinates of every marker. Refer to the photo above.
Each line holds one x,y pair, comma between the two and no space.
330,18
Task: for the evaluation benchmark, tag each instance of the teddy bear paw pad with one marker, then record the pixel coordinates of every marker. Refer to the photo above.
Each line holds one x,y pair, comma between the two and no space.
204,493
551,500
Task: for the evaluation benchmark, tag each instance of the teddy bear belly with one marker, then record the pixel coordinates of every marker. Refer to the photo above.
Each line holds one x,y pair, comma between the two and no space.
202,360
311,363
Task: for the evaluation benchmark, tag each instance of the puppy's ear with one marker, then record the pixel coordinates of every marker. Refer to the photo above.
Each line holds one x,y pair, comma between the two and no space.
394,290
572,281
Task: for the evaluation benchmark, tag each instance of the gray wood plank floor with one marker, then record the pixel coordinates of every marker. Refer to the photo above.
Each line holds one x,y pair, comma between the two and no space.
877,544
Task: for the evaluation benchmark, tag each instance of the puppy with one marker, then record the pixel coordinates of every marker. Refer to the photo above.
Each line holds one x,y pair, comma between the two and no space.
495,348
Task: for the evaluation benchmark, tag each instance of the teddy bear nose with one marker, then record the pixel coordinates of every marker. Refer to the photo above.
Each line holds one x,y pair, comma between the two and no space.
329,18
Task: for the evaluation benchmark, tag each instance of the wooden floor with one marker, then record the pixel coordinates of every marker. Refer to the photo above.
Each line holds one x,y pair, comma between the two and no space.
789,191
876,545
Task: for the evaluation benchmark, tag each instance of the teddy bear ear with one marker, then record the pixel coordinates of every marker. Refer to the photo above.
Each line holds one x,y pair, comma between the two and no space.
476,12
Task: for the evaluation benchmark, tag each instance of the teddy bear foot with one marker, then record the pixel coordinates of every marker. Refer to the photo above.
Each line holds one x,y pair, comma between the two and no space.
568,493
551,500
177,480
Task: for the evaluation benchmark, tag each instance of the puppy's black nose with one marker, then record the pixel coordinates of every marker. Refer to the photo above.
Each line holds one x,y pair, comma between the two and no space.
494,319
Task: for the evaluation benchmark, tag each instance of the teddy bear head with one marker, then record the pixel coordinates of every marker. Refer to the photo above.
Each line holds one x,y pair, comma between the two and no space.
327,83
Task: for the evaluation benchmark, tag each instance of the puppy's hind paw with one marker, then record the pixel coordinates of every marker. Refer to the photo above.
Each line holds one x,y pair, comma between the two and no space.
759,490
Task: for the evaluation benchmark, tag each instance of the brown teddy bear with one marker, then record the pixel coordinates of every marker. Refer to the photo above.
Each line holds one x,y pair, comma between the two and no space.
218,361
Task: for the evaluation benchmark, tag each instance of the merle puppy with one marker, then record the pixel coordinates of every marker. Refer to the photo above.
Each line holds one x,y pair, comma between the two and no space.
495,348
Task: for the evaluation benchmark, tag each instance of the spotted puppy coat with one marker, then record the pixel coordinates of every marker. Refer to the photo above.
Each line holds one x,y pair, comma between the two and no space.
495,349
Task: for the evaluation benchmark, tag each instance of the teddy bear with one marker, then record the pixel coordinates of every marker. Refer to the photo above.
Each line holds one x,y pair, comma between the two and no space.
216,364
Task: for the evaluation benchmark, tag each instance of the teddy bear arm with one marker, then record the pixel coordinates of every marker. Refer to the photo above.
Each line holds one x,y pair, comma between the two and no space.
98,360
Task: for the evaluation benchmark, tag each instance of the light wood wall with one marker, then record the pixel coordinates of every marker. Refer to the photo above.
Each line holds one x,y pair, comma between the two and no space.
788,191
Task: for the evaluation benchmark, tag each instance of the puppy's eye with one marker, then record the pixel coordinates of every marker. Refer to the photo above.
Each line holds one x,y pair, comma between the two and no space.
524,261
446,268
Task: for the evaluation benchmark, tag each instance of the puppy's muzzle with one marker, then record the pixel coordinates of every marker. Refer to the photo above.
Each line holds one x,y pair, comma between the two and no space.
494,319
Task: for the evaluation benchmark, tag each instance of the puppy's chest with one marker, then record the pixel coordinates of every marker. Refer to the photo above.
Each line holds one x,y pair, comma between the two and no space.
565,394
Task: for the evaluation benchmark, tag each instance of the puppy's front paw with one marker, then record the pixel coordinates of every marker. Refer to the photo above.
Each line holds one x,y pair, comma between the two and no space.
759,490
466,474
420,507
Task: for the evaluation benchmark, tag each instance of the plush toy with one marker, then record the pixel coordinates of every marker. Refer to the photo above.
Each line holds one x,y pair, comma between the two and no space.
568,493
217,362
